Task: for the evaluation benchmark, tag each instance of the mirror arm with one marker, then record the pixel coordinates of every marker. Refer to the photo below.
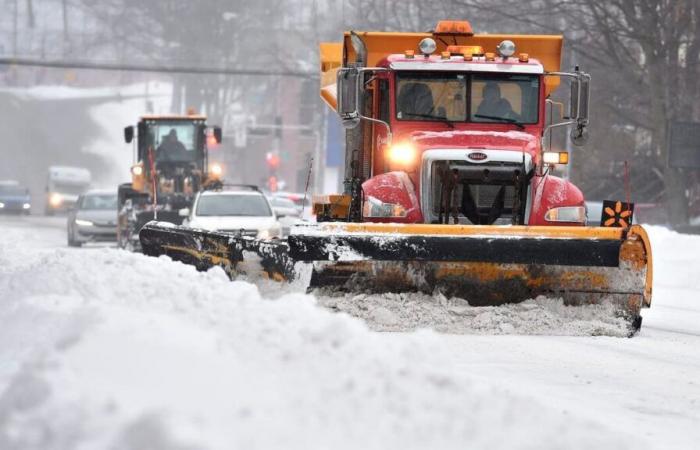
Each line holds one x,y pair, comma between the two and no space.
357,99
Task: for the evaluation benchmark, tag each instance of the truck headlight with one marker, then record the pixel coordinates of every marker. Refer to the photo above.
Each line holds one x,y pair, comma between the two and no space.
373,207
572,214
137,170
55,199
83,223
402,154
555,158
26,206
2,205
427,46
506,48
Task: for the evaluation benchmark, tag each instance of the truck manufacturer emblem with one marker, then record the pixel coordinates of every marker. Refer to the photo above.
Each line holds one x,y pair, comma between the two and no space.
476,156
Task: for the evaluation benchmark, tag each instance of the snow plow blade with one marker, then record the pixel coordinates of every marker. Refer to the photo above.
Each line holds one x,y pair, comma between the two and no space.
206,249
485,265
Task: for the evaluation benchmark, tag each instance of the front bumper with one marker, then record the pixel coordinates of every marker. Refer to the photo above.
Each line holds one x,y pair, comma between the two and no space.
95,233
14,208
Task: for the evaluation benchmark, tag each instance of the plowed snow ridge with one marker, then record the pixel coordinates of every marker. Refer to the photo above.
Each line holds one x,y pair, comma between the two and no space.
100,348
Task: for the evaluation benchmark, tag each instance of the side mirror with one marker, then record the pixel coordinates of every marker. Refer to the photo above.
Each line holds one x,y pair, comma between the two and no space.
580,94
184,212
129,134
218,135
349,96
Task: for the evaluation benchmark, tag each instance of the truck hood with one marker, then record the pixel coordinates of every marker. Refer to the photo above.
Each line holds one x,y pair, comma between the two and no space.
502,140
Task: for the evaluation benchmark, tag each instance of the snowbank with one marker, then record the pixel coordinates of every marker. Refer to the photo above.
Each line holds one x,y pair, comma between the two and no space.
104,349
411,311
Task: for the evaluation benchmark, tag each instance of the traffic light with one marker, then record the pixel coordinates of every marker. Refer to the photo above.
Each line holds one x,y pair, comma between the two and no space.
272,183
273,160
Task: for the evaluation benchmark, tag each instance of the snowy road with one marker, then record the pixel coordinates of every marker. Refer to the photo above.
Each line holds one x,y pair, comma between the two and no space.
104,349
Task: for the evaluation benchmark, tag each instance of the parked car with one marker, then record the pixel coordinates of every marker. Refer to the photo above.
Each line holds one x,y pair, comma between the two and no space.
287,213
14,198
93,218
243,210
302,202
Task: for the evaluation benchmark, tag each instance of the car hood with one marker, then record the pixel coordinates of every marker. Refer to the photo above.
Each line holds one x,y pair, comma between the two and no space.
101,216
15,198
233,223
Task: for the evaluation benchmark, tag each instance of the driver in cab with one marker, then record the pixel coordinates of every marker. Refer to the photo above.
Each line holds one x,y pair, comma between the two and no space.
171,149
493,106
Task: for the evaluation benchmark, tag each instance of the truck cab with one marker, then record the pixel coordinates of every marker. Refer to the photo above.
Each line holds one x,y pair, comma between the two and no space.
451,130
63,187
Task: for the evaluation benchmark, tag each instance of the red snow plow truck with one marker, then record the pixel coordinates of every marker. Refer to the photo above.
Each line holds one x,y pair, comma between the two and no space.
448,181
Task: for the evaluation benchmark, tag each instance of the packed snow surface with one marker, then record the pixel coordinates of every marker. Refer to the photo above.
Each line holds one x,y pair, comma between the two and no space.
104,349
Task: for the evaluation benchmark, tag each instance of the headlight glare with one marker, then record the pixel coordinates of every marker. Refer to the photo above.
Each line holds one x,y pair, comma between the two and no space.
402,154
83,223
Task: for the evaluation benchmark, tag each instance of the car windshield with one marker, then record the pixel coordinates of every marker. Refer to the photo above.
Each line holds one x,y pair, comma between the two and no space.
233,205
458,97
174,141
13,190
99,201
279,202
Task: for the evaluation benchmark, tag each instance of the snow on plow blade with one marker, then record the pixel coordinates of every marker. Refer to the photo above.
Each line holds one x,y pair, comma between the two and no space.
485,265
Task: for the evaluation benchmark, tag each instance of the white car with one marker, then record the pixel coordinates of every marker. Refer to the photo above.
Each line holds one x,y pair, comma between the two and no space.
246,212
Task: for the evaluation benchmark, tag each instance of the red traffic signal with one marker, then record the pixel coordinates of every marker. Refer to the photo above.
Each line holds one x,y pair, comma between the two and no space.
273,160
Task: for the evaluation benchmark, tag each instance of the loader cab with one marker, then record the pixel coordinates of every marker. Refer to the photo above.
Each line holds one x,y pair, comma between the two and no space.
177,142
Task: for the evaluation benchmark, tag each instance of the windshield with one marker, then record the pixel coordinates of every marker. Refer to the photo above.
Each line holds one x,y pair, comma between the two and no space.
174,141
13,190
68,189
233,205
101,202
280,202
454,97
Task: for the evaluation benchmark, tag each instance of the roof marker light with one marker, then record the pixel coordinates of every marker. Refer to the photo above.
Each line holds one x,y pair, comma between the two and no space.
523,57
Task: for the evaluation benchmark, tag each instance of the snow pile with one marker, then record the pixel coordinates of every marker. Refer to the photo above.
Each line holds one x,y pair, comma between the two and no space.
104,349
411,311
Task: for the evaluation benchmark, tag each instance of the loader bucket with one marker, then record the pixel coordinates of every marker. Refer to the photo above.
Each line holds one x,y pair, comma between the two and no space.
485,265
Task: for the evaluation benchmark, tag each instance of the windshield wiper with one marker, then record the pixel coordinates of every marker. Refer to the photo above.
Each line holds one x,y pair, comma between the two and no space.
501,119
442,119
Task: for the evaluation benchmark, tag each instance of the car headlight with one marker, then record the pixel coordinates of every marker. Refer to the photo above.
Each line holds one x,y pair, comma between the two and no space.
269,233
216,170
2,205
576,214
83,223
26,206
55,199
